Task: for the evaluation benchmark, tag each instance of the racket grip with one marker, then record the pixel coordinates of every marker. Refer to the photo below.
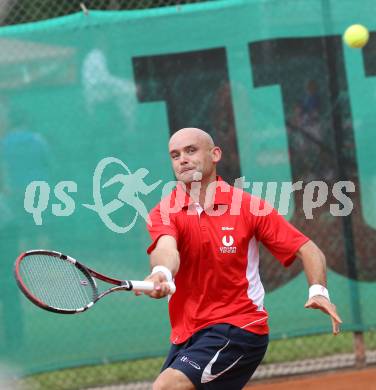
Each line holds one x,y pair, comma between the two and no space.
144,286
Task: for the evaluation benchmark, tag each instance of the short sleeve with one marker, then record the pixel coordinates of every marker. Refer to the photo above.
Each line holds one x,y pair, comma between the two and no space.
160,227
281,238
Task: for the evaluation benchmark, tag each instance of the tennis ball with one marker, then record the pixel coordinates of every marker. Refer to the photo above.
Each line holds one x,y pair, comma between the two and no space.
356,36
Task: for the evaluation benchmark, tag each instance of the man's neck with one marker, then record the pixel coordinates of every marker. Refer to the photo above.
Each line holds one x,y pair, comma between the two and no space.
202,192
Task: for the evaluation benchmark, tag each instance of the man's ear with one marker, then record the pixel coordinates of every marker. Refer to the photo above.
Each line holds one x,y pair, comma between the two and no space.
216,153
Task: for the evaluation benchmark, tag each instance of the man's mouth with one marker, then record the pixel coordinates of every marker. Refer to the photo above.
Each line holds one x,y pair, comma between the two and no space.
186,170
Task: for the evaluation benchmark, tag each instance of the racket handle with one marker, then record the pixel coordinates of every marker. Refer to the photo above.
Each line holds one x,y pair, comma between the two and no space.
144,286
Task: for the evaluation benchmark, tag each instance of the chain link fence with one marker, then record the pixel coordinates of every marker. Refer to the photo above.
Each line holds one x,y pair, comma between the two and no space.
23,11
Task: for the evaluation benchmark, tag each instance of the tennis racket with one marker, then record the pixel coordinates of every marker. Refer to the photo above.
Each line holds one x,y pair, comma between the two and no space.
58,283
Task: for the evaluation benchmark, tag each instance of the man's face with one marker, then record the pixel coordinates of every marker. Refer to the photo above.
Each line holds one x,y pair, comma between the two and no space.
193,157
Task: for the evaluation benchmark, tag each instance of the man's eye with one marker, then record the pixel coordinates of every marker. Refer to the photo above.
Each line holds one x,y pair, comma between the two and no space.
174,156
191,150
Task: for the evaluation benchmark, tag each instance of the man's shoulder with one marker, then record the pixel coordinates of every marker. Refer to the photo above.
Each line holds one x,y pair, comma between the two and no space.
248,204
167,201
245,196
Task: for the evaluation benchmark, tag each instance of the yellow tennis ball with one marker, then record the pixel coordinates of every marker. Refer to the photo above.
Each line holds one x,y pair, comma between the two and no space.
356,36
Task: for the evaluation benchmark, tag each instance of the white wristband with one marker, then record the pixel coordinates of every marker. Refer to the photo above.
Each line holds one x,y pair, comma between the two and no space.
164,270
317,289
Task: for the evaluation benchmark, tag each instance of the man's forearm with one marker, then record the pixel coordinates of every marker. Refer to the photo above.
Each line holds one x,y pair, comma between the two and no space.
315,269
168,257
314,263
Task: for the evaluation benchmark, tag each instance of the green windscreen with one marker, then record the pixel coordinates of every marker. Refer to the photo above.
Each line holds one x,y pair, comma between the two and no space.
85,98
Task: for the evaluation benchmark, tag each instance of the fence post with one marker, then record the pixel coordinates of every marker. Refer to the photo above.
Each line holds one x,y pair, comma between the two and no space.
359,350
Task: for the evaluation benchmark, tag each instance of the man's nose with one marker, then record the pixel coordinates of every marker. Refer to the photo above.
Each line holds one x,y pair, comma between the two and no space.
183,159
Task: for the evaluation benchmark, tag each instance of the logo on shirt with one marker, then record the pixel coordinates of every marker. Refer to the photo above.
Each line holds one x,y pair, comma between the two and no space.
228,242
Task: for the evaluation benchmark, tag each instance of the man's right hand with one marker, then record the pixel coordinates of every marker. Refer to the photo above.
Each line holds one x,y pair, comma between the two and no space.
161,287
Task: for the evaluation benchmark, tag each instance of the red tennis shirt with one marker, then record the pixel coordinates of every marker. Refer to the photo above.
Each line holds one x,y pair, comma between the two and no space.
218,280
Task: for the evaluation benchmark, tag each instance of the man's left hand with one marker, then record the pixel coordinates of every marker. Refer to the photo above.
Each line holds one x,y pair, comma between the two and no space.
323,304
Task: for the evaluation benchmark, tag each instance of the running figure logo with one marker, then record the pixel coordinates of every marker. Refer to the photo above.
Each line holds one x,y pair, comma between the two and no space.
132,185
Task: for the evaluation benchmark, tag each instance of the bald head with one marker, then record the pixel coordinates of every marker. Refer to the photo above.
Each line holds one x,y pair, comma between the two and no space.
196,135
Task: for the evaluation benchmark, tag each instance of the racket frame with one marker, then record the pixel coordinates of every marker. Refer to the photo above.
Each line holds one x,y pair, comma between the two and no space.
120,285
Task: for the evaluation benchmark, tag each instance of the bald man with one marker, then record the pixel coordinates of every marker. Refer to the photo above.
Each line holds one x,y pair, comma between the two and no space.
205,235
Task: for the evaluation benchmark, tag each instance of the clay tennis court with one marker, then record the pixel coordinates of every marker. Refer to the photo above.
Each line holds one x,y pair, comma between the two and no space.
364,379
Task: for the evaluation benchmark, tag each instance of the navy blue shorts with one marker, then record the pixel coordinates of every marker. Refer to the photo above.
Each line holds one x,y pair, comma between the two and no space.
220,357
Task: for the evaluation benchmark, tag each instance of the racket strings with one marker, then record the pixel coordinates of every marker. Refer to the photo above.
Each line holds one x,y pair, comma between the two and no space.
56,282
